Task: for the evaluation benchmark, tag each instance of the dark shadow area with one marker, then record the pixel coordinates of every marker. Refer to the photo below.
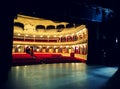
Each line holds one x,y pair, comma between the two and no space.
4,76
114,81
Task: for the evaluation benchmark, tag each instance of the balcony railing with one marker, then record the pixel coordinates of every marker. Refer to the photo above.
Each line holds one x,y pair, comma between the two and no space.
51,43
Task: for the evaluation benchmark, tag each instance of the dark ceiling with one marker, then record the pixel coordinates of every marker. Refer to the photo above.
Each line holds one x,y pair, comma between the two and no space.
60,9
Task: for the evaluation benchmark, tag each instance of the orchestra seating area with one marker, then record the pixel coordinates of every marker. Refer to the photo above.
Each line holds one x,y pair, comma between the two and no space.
39,58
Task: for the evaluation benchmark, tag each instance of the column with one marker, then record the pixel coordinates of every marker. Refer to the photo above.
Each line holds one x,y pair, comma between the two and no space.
60,39
34,38
24,37
66,39
48,38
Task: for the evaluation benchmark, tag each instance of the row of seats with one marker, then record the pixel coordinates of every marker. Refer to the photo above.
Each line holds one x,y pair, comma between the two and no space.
24,58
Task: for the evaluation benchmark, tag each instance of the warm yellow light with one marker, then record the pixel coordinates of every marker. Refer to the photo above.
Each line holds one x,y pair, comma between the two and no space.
19,50
84,29
18,45
77,45
26,46
77,33
26,35
67,46
61,36
73,46
38,50
84,45
81,45
72,34
33,35
19,34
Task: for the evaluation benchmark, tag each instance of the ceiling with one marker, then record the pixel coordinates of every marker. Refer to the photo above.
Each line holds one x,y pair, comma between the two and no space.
59,10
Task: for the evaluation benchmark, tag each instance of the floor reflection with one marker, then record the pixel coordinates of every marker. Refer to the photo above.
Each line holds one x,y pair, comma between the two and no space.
59,76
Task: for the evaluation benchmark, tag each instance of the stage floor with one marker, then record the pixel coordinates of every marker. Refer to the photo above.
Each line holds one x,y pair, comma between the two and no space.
59,76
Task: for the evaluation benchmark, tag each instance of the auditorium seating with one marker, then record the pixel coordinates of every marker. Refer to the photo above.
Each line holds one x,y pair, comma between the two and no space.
38,58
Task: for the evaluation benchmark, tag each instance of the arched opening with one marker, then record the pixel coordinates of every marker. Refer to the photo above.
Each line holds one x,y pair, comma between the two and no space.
50,27
60,26
40,27
19,24
69,25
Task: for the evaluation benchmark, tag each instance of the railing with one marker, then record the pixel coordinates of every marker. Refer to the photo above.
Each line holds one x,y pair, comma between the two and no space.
51,43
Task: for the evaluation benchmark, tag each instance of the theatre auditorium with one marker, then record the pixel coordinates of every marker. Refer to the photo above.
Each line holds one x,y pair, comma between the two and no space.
48,41
72,44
